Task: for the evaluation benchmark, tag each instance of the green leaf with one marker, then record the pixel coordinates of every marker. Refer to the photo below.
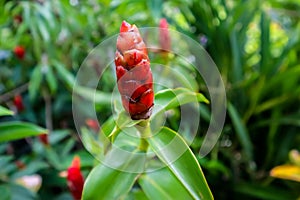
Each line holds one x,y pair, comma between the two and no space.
51,80
162,184
35,82
236,51
240,130
6,164
17,130
19,192
263,192
31,168
173,151
5,111
5,192
4,160
172,98
98,97
108,126
155,8
265,44
109,183
96,146
66,76
53,158
43,29
136,194
124,120
269,104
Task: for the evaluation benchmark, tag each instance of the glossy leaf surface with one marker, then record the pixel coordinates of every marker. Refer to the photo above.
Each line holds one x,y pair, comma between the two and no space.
172,150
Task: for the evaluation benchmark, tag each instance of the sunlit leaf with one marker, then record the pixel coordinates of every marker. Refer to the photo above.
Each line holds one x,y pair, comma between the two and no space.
172,150
162,184
172,98
5,111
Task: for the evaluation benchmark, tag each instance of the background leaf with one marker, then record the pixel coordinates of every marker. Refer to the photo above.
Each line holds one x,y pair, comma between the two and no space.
17,130
5,111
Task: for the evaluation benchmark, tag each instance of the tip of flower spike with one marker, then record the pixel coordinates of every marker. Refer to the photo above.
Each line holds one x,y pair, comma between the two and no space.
125,26
163,23
76,162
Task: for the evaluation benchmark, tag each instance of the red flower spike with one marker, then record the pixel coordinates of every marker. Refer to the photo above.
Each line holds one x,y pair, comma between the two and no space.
44,139
75,179
164,35
19,52
133,71
18,102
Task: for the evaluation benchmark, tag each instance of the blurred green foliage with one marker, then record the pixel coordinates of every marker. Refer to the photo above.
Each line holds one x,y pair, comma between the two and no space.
255,45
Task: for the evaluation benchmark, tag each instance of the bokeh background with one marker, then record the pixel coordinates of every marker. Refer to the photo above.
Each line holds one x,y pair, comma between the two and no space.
255,44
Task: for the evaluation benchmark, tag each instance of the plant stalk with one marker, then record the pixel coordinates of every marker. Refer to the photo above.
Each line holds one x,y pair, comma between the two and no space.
145,131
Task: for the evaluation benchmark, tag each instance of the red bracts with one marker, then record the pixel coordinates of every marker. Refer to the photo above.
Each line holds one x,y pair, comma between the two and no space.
134,75
75,179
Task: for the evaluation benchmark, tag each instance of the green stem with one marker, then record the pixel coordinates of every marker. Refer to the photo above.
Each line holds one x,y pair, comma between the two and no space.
143,146
145,131
114,134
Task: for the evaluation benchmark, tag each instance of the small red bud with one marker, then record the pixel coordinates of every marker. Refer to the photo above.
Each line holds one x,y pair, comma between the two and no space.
44,139
20,165
75,179
18,102
19,52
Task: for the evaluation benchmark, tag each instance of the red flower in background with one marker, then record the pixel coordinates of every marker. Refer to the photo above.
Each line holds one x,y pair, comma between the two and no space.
75,179
134,75
18,102
20,165
93,124
18,19
44,139
164,35
19,52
